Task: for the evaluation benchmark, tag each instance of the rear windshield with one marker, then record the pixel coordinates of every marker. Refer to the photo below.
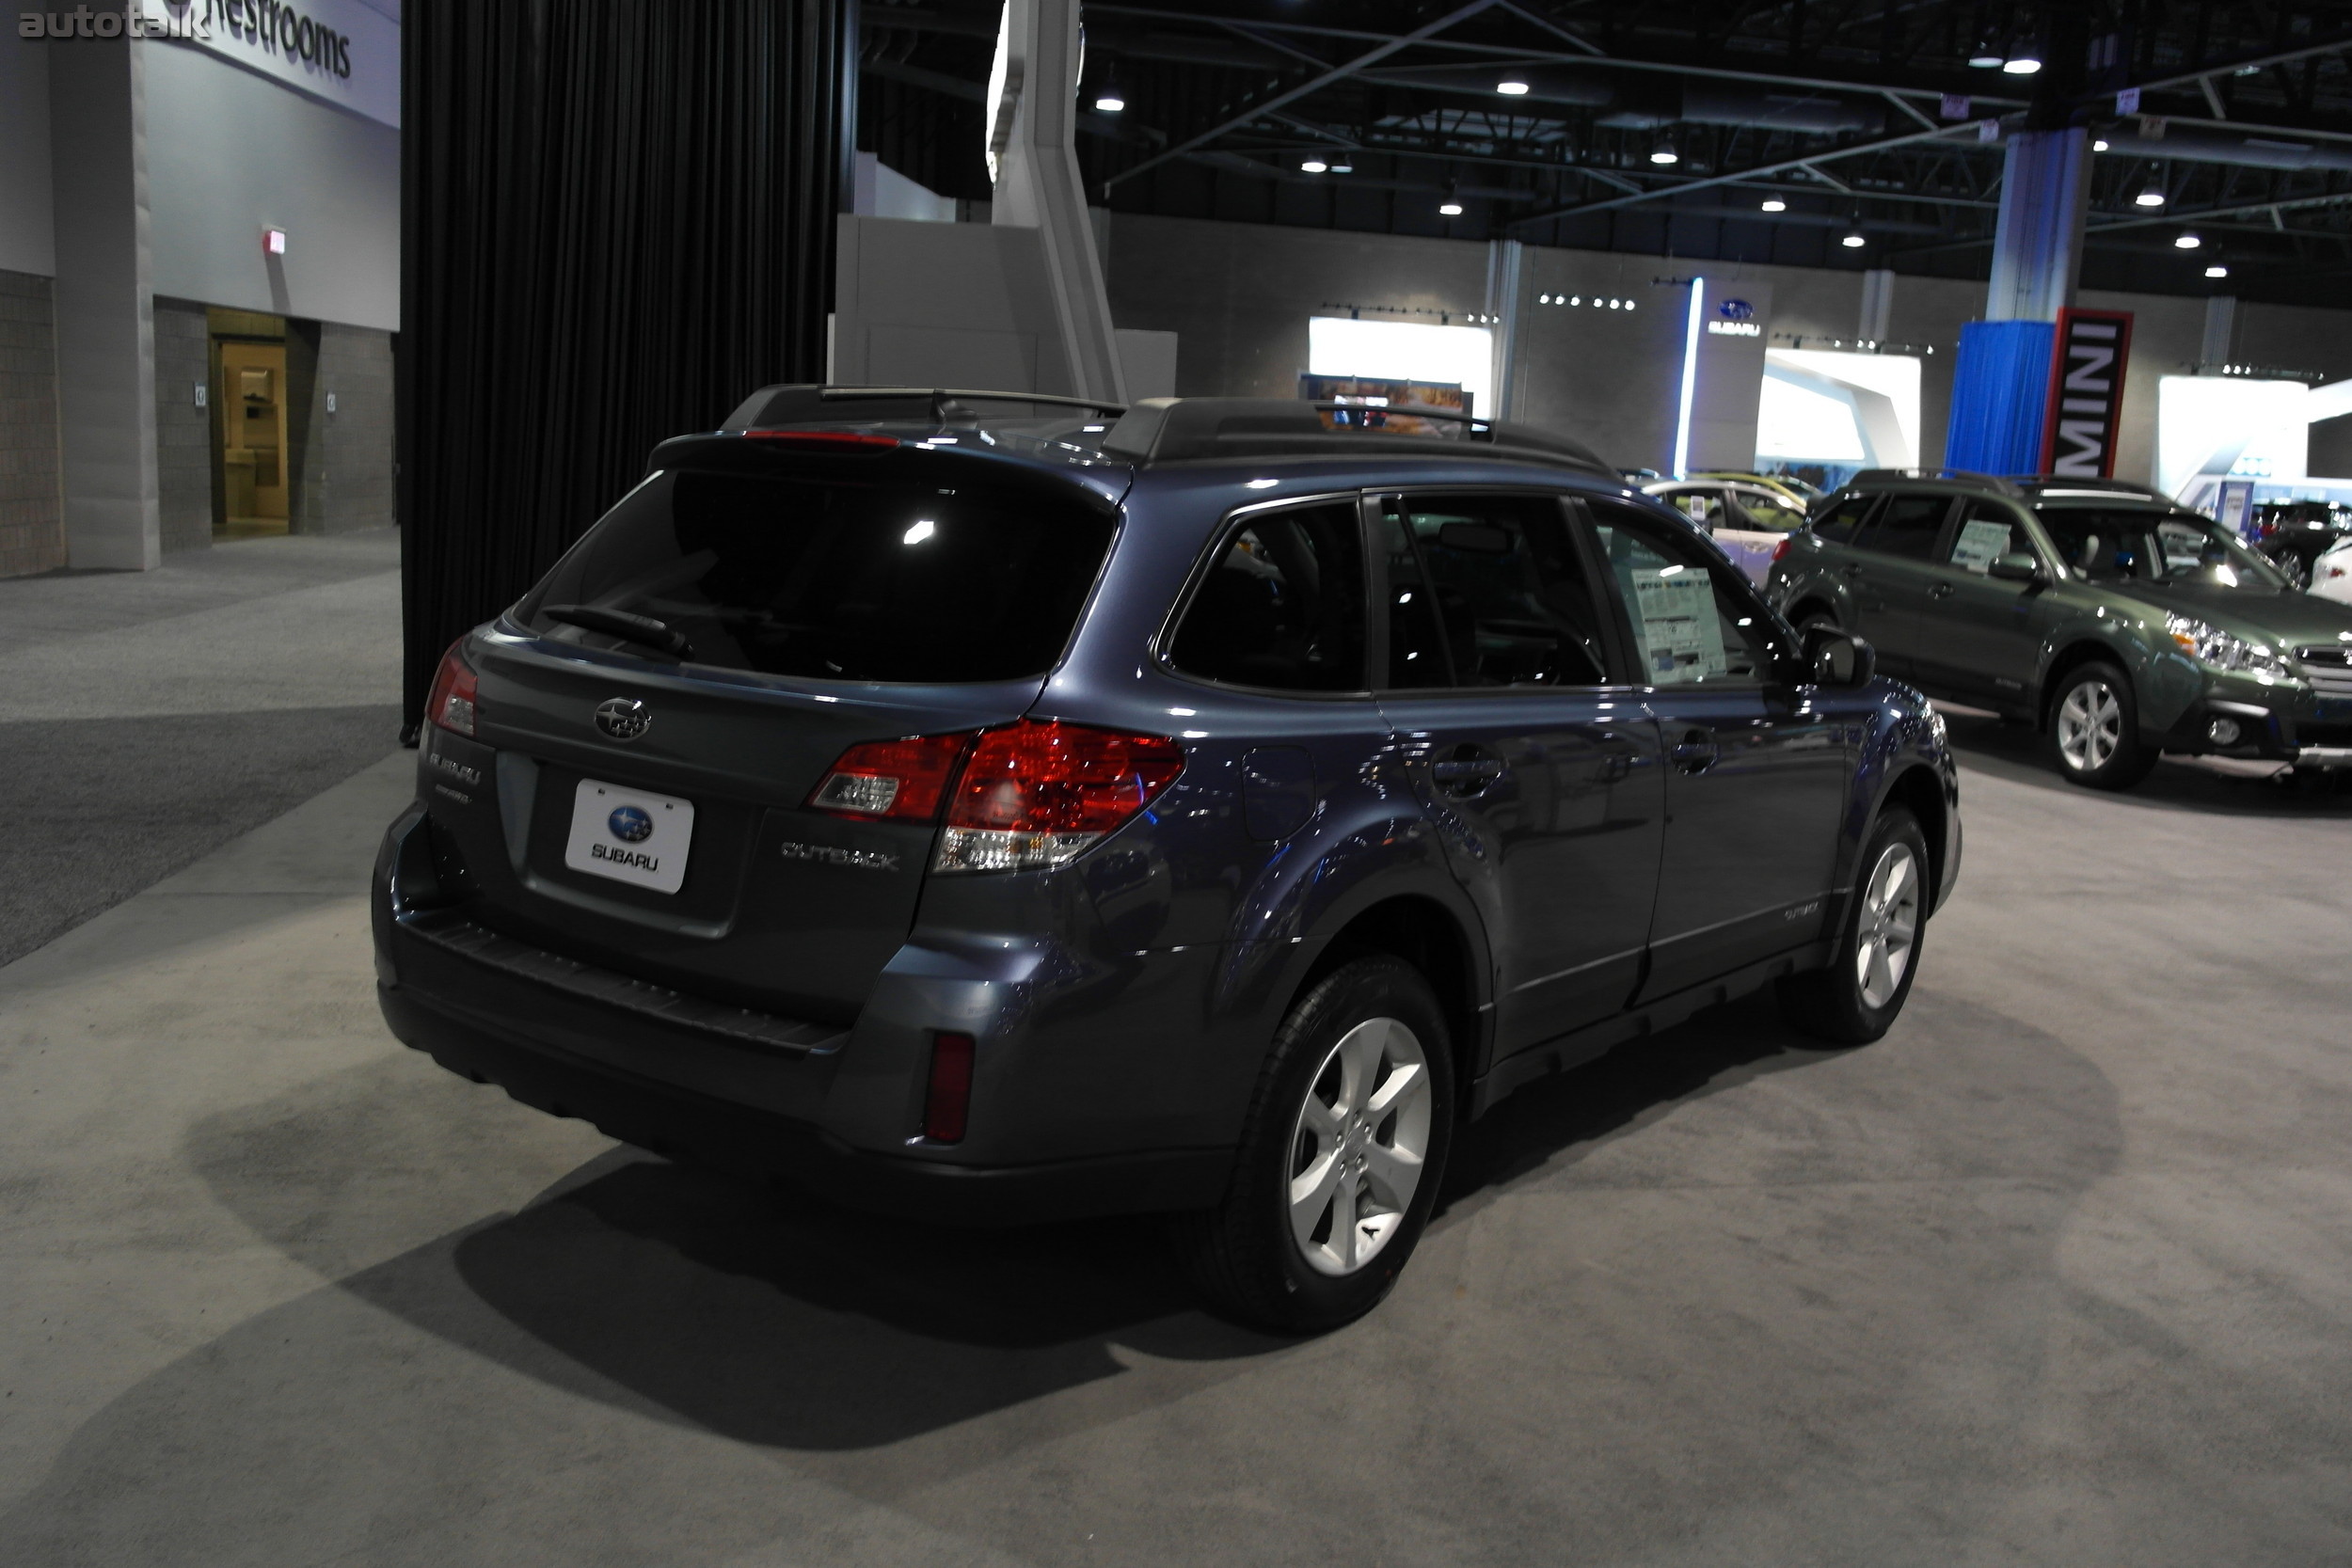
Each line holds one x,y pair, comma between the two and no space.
2122,546
835,579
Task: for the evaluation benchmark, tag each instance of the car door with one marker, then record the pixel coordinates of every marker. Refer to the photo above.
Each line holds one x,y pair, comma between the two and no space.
1982,639
1541,772
1891,574
1757,773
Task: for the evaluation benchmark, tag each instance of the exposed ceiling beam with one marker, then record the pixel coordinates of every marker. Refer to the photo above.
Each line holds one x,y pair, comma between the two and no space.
1512,51
1739,176
2253,62
1313,85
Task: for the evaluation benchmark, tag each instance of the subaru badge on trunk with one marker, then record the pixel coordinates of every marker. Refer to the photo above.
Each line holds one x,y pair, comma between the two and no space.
624,717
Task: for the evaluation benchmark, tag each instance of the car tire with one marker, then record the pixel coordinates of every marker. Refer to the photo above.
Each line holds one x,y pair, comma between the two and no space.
1858,997
2094,729
1340,1158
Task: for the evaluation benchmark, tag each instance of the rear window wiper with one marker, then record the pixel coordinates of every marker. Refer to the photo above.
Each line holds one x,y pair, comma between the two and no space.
643,630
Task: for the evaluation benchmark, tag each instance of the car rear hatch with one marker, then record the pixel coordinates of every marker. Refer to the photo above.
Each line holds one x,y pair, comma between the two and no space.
658,779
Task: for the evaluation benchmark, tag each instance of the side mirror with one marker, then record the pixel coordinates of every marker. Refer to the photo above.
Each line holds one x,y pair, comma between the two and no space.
2016,566
1838,659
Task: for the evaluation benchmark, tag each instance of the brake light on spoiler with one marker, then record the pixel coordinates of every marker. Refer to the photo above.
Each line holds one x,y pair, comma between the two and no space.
1026,797
825,440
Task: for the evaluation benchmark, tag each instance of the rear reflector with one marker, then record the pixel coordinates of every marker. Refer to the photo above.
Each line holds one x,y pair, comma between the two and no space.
949,1103
825,440
452,703
902,779
1781,549
1035,794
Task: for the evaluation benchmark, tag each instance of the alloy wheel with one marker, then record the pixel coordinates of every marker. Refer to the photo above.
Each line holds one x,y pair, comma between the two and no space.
1359,1145
1889,925
2090,726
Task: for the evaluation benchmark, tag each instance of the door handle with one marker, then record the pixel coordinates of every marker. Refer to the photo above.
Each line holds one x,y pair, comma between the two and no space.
1696,752
1464,775
1941,590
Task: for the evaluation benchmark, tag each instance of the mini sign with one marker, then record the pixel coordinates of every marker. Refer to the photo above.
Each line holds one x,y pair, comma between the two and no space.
2086,407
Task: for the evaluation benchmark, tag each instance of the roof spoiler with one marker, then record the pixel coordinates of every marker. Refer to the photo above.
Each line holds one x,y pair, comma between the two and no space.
1170,429
793,404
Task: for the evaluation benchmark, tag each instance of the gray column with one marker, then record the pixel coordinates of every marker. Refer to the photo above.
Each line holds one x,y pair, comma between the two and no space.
2038,245
1037,185
1877,305
2221,331
1503,259
104,302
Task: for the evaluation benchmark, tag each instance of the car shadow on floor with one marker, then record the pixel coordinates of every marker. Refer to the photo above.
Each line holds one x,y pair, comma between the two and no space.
781,1321
2215,786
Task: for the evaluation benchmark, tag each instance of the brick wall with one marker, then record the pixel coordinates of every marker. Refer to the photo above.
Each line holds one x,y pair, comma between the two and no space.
344,479
32,510
183,432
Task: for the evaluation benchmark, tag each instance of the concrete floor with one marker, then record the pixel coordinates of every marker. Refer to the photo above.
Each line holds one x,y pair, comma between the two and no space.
146,718
2058,1273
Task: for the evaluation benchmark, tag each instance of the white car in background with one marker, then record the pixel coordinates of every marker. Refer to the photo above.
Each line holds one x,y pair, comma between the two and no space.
1749,521
2331,573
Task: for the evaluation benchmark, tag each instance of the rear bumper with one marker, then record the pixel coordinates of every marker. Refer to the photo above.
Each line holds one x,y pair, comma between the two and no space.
682,1124
1059,1130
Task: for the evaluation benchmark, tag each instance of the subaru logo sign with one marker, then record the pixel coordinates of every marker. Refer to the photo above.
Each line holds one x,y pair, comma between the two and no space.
1734,310
630,825
624,717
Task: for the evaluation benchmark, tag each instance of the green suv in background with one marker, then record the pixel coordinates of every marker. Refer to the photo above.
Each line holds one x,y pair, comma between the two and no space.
2120,625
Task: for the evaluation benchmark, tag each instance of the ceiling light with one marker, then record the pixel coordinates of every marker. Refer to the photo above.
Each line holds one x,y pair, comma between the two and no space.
2022,64
1665,155
1543,299
2187,242
1314,166
1342,168
1985,57
1110,103
1450,209
1774,204
2099,146
1576,299
2152,197
1853,241
1512,87
2217,270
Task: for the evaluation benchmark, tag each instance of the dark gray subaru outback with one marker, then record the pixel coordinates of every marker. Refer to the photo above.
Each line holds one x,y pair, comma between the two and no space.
1203,812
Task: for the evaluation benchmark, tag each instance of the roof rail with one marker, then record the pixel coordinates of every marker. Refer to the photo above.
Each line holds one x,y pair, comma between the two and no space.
1993,484
1170,430
809,403
2068,482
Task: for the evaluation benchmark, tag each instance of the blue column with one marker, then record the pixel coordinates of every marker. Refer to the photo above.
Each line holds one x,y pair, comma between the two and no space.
2000,387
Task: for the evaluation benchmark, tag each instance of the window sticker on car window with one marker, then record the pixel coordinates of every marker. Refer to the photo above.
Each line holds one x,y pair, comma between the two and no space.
1980,545
1680,640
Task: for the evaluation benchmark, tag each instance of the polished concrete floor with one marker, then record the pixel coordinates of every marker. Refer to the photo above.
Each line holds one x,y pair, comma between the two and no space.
146,718
2060,1272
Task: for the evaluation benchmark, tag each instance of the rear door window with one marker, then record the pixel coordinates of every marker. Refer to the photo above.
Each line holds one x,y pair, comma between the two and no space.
859,580
1837,524
1283,608
1765,512
1512,598
1907,526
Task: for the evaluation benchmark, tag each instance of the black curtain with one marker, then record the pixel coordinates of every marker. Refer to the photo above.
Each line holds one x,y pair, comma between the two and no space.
617,219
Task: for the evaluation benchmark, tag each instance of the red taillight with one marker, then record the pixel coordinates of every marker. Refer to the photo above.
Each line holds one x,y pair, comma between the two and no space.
948,1101
835,440
1781,549
1035,794
452,703
900,779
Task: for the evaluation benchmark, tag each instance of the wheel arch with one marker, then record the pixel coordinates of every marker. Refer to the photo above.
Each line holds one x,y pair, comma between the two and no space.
1919,790
2073,655
1430,937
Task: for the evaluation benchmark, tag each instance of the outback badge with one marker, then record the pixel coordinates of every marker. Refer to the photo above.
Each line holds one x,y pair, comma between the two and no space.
624,717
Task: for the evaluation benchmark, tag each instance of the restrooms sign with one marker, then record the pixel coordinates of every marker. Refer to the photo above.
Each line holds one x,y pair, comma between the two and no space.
343,51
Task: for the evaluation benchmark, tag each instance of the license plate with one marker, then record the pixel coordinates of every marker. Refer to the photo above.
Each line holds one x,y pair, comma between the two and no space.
629,836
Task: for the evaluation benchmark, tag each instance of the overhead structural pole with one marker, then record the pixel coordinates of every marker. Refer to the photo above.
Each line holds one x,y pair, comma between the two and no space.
1038,184
1502,321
